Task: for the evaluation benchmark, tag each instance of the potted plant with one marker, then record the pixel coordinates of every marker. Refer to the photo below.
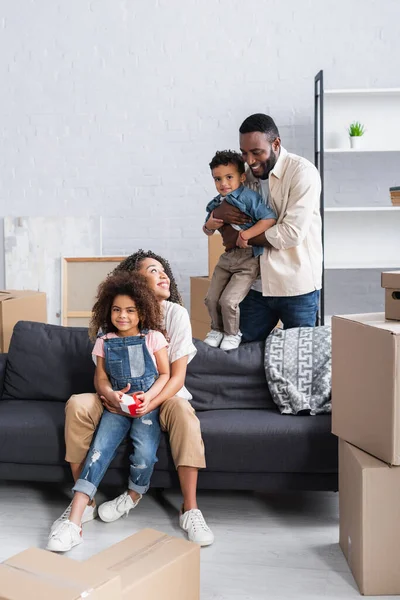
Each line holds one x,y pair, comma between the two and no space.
356,130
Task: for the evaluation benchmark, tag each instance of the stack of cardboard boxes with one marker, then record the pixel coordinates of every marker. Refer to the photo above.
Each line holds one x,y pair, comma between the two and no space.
199,316
19,305
148,565
366,418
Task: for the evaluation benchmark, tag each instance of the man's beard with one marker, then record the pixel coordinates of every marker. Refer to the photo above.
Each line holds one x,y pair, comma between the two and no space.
268,165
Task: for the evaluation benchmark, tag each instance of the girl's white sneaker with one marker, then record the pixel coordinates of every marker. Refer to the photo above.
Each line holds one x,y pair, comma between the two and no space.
89,514
114,509
65,537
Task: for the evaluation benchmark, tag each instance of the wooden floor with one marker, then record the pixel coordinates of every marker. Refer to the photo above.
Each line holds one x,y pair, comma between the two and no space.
267,546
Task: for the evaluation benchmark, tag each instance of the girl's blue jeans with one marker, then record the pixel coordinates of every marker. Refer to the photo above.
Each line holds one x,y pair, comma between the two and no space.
145,436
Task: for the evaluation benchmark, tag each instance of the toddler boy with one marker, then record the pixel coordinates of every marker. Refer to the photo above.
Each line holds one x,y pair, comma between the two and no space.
238,267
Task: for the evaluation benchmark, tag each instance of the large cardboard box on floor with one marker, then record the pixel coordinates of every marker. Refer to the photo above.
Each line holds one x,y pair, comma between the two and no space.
369,508
199,317
19,305
153,566
366,384
391,282
40,575
215,249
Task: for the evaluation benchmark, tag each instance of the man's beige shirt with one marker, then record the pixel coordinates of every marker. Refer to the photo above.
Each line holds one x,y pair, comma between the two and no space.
292,264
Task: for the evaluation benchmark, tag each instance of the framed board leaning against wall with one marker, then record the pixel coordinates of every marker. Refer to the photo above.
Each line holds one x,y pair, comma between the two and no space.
80,279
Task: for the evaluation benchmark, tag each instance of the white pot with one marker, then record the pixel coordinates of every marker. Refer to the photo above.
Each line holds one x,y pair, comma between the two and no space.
356,142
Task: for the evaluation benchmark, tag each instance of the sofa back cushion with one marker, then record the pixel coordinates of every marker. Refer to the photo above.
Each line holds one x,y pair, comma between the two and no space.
48,362
233,379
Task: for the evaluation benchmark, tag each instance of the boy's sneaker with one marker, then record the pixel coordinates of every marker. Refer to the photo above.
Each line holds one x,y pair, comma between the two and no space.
89,514
65,537
114,509
213,338
230,342
193,522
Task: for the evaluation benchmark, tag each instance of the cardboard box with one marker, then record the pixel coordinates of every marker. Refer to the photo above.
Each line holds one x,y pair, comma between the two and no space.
199,329
391,281
18,305
366,384
215,249
198,291
153,566
369,507
41,575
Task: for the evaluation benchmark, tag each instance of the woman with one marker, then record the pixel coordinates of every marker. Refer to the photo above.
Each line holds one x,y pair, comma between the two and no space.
177,417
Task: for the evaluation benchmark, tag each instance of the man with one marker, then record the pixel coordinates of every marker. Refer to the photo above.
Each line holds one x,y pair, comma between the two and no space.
291,266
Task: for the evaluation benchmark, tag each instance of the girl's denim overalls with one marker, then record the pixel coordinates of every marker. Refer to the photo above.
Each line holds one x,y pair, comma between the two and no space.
127,361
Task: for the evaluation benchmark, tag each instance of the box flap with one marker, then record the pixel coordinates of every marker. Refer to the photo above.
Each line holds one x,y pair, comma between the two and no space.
390,279
140,555
373,320
50,576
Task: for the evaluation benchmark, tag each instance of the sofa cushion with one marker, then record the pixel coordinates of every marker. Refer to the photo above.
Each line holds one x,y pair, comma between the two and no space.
236,441
234,379
48,362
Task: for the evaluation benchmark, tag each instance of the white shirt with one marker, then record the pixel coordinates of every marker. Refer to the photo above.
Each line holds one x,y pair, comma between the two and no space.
179,333
292,264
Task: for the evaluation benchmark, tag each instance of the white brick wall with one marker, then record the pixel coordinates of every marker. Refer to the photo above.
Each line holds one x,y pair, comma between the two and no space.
115,108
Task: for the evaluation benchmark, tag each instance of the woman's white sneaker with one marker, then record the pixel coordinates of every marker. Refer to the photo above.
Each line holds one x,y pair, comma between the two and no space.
213,338
193,522
89,514
65,537
120,506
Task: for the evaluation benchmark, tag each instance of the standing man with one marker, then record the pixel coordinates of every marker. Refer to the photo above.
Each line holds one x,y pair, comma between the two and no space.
291,266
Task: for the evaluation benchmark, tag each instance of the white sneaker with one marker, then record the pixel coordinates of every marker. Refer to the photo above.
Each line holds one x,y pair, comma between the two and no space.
65,537
89,514
213,338
193,522
230,342
114,509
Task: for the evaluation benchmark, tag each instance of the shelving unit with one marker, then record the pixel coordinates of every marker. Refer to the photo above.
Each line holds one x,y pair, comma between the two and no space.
356,237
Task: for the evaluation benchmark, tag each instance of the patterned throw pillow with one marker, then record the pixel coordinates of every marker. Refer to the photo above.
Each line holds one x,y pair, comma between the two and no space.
298,368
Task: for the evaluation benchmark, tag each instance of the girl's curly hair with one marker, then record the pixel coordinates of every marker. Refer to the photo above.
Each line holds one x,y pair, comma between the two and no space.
134,261
129,284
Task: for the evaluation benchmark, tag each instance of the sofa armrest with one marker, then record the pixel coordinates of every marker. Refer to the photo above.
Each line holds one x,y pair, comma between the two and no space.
3,364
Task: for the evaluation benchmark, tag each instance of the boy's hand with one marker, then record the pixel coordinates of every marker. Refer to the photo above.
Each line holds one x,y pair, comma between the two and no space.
145,402
242,243
213,223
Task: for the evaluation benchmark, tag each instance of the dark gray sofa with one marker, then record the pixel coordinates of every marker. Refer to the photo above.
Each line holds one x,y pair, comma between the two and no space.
249,444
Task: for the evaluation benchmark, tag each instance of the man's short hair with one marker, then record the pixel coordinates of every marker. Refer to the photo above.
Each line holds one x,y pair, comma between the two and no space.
228,157
262,123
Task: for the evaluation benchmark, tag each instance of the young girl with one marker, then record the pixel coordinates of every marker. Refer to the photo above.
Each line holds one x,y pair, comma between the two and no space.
131,357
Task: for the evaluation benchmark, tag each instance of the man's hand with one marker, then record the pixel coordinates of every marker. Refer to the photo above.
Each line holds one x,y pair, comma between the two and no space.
214,223
113,401
145,406
230,214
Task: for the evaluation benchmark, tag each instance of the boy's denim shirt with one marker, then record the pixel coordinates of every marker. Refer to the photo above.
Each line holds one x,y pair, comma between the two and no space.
250,203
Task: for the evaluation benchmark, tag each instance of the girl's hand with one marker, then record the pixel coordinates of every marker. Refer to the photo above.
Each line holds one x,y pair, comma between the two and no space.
213,223
113,400
241,242
145,403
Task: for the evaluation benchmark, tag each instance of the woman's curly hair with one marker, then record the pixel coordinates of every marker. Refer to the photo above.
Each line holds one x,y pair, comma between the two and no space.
130,284
134,261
